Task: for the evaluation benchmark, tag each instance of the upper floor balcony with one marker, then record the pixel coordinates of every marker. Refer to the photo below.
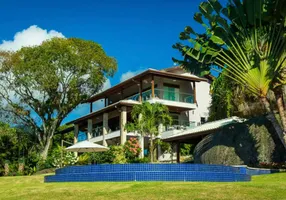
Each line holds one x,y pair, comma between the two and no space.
171,89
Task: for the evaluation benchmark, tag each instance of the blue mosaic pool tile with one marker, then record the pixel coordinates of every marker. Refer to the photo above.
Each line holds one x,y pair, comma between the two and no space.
149,172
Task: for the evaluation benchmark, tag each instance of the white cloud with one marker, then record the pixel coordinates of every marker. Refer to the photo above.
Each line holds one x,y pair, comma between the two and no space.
106,85
31,36
129,75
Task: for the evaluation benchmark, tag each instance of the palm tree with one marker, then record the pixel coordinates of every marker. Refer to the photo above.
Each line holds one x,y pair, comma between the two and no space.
147,118
249,43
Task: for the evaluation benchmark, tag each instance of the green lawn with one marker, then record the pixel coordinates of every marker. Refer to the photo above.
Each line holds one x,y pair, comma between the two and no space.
32,187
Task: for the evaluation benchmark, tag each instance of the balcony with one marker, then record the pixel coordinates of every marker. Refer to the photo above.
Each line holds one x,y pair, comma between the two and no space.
165,95
181,125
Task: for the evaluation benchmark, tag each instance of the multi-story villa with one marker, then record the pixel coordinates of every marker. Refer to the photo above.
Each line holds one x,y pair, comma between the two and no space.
187,97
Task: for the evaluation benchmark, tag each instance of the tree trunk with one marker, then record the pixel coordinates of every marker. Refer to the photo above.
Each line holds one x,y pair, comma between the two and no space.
279,101
141,142
284,95
151,149
44,152
271,117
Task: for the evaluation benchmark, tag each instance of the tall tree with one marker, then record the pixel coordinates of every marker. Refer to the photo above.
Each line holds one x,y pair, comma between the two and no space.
247,40
146,121
40,85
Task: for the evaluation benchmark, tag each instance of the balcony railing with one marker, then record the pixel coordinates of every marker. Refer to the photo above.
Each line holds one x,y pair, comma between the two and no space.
181,125
166,95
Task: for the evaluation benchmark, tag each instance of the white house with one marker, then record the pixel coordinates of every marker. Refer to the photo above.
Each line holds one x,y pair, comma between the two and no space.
186,95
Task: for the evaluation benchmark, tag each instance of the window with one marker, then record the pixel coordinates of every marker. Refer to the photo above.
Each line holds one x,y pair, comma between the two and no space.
203,120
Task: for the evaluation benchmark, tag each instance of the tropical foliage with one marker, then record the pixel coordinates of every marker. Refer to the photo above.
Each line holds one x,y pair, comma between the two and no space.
147,118
231,99
40,85
60,158
132,149
127,153
17,147
247,40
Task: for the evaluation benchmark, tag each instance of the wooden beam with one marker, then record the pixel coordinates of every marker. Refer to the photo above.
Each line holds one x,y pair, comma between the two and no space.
153,87
195,92
140,91
105,102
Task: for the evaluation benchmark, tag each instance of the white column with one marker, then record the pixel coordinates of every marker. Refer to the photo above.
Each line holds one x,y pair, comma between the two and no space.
123,120
76,130
105,128
89,129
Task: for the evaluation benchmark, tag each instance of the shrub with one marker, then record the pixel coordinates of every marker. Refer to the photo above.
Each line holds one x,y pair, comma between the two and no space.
114,155
131,149
141,160
119,155
83,159
57,161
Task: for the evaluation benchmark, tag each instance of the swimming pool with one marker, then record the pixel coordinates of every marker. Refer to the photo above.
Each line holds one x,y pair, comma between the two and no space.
149,172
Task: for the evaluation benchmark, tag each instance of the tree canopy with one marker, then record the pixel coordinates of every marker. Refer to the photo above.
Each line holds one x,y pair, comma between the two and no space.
247,40
147,118
40,85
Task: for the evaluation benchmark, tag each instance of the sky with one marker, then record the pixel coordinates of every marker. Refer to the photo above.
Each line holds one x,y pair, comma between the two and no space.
138,33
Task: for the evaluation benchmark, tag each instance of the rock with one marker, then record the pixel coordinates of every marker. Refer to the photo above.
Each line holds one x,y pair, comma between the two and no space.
248,143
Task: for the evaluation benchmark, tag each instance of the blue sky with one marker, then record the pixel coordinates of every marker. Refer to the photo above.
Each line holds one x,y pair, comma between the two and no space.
139,34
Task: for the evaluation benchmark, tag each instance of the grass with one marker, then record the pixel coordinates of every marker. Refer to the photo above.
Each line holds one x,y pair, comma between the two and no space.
32,187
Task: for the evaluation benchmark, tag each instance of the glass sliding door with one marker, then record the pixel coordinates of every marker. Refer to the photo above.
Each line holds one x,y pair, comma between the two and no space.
171,93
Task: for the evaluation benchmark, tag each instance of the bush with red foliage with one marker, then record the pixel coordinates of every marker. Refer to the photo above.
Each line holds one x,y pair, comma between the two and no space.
132,149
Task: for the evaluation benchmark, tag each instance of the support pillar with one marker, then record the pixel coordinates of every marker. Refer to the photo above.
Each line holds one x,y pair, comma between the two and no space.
76,130
105,128
178,152
90,107
123,120
89,129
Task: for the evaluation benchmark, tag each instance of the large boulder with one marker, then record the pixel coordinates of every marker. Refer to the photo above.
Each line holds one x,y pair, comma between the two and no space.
248,143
